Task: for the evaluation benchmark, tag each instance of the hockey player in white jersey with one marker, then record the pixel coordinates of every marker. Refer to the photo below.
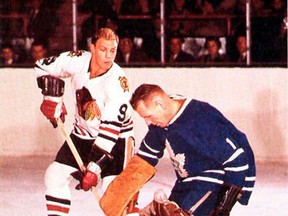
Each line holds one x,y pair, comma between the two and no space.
103,122
213,160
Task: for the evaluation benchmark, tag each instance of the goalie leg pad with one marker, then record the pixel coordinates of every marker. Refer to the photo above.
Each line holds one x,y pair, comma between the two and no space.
120,192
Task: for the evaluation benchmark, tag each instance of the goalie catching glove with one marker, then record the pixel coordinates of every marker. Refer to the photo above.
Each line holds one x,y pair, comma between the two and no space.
52,106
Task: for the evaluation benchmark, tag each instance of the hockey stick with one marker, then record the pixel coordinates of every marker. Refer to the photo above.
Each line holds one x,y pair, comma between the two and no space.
75,153
193,209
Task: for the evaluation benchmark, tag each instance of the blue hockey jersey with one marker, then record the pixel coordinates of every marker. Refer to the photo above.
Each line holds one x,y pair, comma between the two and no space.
203,145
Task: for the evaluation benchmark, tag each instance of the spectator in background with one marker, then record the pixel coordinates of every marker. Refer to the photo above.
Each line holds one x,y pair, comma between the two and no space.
8,56
268,44
213,46
116,5
128,53
213,26
208,7
176,54
43,19
135,7
112,23
217,6
100,7
39,50
227,7
278,7
152,40
279,42
241,45
258,7
239,55
179,8
140,24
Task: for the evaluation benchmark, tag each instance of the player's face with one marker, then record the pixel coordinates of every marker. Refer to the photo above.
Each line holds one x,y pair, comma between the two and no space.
105,52
153,113
126,45
212,47
38,52
7,53
175,45
241,44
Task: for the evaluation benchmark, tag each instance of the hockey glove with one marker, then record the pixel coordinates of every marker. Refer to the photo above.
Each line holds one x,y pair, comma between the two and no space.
53,108
227,199
162,206
90,178
53,90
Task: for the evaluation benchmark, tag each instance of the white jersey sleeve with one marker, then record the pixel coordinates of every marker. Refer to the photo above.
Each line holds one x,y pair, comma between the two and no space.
65,65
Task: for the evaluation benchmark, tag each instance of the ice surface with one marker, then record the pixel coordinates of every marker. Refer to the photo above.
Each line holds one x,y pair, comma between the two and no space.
22,189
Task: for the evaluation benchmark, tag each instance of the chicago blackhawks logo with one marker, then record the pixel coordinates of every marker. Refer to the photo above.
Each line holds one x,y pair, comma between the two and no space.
49,60
124,83
87,106
91,110
75,53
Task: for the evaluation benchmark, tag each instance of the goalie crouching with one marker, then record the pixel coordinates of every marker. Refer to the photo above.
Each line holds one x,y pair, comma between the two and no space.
213,160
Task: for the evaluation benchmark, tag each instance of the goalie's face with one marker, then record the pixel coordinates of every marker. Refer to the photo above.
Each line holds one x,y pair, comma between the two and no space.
154,112
104,53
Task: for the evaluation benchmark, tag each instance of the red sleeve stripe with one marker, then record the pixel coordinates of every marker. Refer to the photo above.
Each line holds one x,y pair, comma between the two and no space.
57,208
109,130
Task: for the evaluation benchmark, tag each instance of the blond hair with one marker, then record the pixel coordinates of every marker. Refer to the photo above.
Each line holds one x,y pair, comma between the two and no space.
105,33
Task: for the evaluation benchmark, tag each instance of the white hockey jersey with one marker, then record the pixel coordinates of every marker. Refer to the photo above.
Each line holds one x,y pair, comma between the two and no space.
110,92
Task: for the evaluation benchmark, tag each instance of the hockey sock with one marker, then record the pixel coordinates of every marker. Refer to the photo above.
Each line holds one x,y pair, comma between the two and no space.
57,206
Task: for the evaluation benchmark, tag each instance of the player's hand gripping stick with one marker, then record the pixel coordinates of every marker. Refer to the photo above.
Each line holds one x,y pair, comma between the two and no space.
75,154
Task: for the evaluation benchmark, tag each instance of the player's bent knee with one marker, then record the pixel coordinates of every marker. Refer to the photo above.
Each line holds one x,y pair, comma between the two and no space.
57,175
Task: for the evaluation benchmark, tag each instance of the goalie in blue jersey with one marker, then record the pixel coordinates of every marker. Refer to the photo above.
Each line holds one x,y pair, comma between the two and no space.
213,160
